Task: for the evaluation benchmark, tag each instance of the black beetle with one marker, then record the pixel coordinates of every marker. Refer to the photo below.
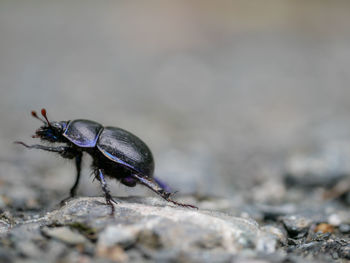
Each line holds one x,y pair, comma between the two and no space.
116,153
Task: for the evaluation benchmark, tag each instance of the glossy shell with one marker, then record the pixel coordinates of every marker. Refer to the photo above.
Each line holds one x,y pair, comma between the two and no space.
127,149
83,133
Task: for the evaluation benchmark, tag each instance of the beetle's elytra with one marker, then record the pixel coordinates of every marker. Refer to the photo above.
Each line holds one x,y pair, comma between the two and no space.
116,153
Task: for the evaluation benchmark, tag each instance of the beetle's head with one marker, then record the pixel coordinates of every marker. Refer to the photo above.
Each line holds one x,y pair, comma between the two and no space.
51,130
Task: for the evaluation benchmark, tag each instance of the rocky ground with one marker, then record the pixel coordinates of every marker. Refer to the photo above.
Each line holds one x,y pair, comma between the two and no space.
290,220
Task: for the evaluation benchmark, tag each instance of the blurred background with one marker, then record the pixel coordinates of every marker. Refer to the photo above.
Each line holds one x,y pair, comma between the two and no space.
223,92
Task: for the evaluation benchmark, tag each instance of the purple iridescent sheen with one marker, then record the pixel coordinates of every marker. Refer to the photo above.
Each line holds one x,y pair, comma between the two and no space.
162,184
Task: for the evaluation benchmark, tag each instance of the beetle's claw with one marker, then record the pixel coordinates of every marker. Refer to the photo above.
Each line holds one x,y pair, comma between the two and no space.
166,196
65,201
21,143
173,193
181,204
111,202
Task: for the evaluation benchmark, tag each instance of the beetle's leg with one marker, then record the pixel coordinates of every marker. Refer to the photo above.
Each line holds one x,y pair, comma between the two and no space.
162,184
152,184
58,149
78,158
109,199
64,151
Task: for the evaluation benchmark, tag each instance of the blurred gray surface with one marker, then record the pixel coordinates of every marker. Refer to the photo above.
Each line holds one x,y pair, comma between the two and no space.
221,91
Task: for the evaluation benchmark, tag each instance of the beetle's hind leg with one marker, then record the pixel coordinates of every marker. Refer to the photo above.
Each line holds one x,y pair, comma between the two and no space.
153,185
163,185
109,199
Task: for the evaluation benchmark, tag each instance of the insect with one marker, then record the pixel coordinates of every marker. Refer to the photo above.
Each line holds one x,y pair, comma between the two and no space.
116,153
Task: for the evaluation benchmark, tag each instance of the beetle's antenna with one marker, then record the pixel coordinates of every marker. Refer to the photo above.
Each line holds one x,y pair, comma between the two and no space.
37,117
43,112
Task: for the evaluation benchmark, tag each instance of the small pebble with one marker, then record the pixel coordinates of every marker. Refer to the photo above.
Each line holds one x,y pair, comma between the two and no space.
334,220
324,228
296,226
64,234
344,228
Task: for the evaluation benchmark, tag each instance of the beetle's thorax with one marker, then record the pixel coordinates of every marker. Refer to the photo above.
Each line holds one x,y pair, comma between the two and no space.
83,133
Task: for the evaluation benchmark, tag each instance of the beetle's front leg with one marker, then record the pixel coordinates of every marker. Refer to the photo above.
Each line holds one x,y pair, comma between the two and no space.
64,151
78,158
152,184
73,189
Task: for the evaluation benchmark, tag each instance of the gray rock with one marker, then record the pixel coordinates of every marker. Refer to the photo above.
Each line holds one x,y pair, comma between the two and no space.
6,255
117,235
155,224
296,226
64,234
327,248
28,248
6,222
141,229
344,228
270,238
145,229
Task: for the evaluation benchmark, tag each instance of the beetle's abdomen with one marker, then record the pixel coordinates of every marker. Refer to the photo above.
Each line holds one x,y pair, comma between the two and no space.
83,133
126,149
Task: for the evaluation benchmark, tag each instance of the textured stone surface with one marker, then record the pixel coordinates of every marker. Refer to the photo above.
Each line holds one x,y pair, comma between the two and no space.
140,227
149,229
152,223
